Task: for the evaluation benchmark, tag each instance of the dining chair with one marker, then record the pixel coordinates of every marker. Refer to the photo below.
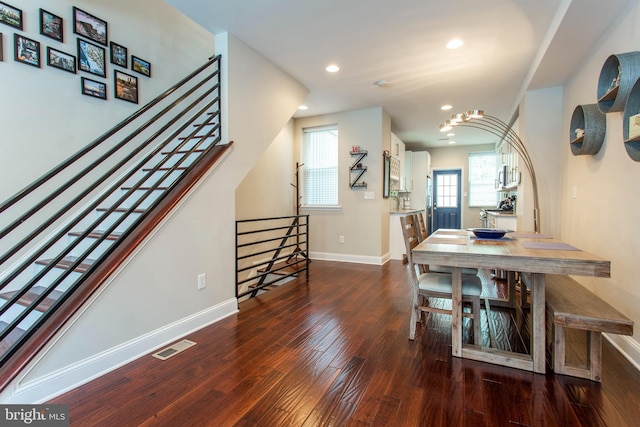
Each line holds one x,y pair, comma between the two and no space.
429,284
421,235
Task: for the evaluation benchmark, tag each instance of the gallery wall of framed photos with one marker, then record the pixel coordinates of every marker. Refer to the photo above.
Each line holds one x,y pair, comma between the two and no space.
86,51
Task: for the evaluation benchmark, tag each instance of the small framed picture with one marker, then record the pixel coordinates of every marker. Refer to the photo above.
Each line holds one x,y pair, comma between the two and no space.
140,66
26,50
126,86
91,58
118,54
11,16
1,50
89,26
61,60
50,25
93,88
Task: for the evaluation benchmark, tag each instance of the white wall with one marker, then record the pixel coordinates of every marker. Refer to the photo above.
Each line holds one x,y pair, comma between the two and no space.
603,218
363,223
35,102
542,132
153,299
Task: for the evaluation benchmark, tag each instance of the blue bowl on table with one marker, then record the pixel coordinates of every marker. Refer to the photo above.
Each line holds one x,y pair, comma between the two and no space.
489,233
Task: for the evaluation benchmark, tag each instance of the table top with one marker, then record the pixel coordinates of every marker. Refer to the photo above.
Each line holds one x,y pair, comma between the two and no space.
518,251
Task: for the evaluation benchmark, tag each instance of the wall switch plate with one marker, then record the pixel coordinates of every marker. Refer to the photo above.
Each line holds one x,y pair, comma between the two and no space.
368,195
202,281
574,192
341,239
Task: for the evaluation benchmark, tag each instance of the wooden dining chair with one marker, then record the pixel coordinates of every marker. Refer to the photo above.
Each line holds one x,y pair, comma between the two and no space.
429,284
421,235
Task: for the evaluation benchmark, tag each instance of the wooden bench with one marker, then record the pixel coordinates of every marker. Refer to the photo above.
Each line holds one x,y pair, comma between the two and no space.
571,305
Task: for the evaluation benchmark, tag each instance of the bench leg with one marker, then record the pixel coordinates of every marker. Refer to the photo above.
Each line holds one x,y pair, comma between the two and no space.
559,349
593,369
594,361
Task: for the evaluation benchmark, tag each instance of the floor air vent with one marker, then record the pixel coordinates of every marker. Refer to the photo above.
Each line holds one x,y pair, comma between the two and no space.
173,349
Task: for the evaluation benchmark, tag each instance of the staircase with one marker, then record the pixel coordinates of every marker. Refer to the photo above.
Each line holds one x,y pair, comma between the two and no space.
81,220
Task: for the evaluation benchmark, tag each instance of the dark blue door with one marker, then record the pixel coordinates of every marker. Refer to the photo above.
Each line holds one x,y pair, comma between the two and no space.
446,197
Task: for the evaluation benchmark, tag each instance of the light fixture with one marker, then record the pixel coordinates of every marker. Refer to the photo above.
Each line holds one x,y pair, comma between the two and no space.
451,141
303,107
451,134
446,107
454,44
332,68
381,83
479,120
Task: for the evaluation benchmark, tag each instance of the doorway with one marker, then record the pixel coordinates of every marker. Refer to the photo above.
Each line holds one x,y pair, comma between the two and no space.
447,198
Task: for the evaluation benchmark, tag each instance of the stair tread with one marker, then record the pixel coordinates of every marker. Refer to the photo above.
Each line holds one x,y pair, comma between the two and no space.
32,294
9,339
66,262
97,235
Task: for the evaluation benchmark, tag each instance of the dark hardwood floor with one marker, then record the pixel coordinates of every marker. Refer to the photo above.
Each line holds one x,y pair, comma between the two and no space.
334,351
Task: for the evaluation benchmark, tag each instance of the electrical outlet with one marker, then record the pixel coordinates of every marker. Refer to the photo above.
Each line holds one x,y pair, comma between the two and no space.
341,239
202,281
574,192
369,195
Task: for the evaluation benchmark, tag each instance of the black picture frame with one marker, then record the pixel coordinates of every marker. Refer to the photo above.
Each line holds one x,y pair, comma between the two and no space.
119,55
61,60
93,88
26,50
11,16
140,66
125,86
91,58
90,26
51,25
1,48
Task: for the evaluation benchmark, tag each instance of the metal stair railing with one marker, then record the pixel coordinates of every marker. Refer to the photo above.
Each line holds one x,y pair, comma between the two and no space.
121,177
269,250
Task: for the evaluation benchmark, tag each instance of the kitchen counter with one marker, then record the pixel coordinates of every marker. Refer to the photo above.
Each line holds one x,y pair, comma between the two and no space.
406,211
501,213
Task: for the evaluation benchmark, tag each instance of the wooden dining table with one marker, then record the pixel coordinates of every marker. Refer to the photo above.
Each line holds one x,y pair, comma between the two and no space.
526,252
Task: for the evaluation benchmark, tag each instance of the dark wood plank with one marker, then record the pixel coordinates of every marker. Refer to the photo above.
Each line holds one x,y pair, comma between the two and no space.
335,351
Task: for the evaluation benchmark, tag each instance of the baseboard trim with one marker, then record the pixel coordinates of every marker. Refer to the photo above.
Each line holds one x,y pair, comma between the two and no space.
627,346
359,259
59,382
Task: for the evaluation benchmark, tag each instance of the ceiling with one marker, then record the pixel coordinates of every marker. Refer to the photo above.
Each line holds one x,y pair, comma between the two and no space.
510,46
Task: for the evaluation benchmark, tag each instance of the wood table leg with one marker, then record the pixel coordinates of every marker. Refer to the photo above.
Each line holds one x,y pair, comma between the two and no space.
538,328
456,312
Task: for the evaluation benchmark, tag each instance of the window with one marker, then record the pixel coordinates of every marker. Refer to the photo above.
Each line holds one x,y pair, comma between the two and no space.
482,174
447,190
320,170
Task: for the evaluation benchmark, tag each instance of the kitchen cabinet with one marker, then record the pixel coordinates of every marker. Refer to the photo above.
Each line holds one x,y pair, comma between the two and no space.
420,169
503,221
408,178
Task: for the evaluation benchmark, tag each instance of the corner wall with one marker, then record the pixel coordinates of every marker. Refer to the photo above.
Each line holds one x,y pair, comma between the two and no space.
364,223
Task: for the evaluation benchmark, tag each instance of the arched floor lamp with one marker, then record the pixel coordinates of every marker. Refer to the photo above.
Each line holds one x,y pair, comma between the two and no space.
478,120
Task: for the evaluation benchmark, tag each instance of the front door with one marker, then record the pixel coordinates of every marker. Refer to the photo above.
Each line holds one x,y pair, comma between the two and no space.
446,197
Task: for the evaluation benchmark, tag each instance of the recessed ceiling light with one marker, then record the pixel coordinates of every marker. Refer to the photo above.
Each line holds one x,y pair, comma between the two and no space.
303,107
332,68
452,142
446,107
454,44
381,83
451,134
